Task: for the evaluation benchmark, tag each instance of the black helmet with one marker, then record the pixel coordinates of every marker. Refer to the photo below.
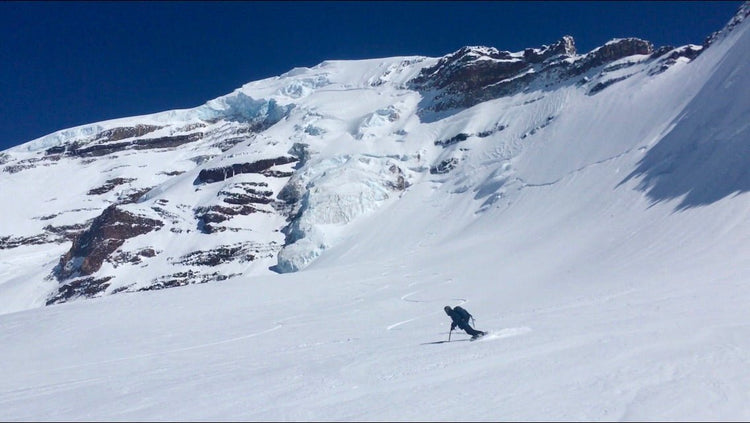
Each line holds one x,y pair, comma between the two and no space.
448,310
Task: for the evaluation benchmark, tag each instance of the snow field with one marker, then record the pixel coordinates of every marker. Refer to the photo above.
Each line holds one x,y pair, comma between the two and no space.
612,285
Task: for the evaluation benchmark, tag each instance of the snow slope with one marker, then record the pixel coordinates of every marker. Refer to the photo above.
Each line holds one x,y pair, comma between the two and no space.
601,239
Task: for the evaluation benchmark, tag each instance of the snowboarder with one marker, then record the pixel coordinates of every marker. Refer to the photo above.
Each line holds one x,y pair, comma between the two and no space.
460,318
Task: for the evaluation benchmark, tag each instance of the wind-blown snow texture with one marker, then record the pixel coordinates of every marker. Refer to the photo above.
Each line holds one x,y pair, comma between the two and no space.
592,215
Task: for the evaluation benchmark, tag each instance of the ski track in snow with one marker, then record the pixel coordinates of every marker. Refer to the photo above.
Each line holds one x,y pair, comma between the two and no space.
395,325
505,333
525,184
405,297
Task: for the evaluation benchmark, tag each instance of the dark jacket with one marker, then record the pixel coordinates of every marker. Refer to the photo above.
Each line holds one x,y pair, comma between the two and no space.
459,317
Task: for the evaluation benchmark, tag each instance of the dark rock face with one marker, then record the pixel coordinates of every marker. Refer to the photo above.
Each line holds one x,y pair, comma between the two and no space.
462,71
173,173
66,232
133,195
462,136
238,199
138,144
498,127
127,257
472,74
242,253
216,257
84,287
565,46
613,50
31,163
444,166
452,140
227,143
210,217
131,138
107,232
668,56
51,234
8,242
538,128
111,141
261,166
55,150
476,74
117,134
109,185
251,193
602,85
185,278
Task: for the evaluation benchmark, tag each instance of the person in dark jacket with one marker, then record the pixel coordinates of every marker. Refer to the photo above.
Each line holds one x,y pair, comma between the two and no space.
460,318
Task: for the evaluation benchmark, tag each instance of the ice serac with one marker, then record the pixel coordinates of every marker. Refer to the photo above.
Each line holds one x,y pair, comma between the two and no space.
333,193
277,175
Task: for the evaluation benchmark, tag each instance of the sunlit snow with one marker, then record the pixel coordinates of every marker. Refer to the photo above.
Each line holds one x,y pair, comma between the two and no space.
602,240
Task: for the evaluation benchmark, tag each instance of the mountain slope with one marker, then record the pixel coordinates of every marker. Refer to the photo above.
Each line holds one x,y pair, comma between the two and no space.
267,178
594,219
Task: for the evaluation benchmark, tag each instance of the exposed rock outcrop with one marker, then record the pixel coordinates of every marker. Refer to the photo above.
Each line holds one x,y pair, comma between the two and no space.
611,51
468,69
138,144
8,242
238,199
107,232
51,235
109,185
565,46
473,75
241,253
127,257
188,277
83,287
261,166
121,133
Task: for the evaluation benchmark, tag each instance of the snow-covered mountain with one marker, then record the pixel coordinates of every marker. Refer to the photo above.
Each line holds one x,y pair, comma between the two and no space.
546,188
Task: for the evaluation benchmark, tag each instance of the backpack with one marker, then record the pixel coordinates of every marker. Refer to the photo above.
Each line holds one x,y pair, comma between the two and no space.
463,314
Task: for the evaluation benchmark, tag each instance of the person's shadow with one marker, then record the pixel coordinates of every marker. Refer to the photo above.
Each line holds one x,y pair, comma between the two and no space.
443,342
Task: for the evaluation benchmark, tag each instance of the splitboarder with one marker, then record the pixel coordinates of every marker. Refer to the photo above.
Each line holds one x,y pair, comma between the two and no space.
460,318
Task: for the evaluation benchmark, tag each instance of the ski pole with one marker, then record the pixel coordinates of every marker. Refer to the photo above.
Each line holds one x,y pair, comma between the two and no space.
449,335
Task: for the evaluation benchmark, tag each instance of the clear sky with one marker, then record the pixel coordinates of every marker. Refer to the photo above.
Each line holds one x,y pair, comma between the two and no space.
64,64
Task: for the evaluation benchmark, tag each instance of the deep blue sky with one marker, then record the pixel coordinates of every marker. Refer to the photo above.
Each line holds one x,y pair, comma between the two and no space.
64,64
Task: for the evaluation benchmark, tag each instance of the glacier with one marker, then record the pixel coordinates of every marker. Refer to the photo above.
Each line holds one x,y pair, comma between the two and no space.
284,252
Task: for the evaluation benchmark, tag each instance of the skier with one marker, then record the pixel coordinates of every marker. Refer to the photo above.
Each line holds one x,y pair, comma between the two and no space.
460,318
